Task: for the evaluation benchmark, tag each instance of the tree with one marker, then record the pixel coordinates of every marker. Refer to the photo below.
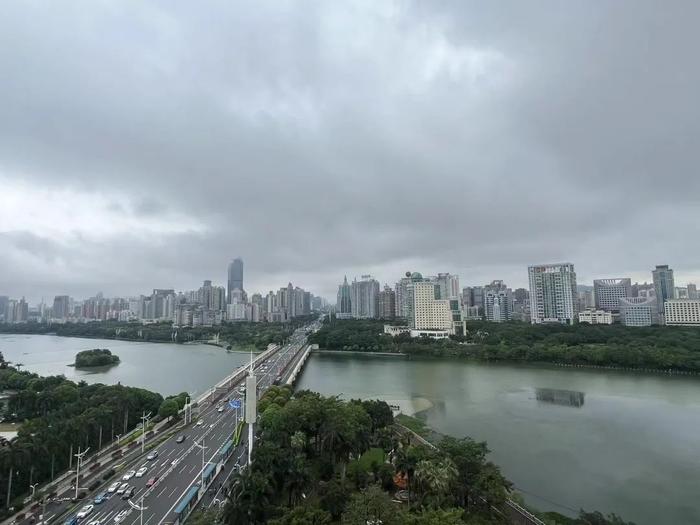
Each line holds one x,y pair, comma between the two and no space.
305,515
371,505
434,517
168,409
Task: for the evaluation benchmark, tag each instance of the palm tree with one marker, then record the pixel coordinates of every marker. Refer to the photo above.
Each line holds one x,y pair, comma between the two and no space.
249,499
435,479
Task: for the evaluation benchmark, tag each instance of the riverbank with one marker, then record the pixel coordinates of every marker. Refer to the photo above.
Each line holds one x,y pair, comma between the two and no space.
656,349
357,352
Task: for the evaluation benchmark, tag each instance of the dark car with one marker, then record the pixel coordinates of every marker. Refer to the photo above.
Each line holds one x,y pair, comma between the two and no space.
128,493
180,439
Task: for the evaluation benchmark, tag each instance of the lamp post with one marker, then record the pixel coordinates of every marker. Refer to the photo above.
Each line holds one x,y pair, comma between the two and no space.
118,437
79,457
144,419
140,508
203,449
33,489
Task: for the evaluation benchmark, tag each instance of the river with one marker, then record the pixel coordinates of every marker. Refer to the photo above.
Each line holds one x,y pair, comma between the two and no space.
166,368
608,441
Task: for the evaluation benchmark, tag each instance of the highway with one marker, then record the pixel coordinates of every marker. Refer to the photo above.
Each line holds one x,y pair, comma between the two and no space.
178,467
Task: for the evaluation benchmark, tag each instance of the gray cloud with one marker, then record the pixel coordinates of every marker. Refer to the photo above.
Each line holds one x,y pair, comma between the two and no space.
319,139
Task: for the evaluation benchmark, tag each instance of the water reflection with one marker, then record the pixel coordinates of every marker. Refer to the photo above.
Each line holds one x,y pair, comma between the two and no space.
556,396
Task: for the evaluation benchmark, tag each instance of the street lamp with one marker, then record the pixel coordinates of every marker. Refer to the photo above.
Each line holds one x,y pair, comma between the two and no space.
118,437
140,508
79,457
33,489
144,420
203,449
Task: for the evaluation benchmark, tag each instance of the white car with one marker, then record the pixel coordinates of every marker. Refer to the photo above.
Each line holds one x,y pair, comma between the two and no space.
120,517
128,475
174,462
220,409
85,511
113,487
141,472
122,488
95,522
200,423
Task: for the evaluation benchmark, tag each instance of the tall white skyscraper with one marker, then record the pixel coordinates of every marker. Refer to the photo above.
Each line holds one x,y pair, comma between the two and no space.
553,297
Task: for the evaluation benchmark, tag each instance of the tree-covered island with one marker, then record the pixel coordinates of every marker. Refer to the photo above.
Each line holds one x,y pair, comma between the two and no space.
95,357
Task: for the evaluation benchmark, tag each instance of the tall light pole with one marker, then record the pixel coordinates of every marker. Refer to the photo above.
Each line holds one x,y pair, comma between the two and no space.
203,449
33,489
79,457
140,508
144,421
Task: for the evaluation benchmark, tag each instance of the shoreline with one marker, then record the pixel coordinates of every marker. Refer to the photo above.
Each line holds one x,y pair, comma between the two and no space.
529,364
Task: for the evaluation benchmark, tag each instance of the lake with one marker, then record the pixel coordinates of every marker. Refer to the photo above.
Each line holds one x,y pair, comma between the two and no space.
162,367
568,439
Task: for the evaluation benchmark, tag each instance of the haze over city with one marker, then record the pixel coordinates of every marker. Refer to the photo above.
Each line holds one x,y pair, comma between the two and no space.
144,146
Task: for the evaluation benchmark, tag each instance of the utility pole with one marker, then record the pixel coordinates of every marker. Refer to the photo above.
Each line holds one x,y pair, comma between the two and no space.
144,422
99,445
79,457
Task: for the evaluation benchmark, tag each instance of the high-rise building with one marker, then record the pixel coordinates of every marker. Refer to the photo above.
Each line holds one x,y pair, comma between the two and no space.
682,312
449,285
4,302
608,292
553,293
429,312
61,307
402,299
386,303
593,316
692,291
498,306
235,277
681,292
364,297
639,311
663,285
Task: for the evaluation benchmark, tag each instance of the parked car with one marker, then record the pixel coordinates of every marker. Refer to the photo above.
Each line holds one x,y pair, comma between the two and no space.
220,409
95,522
113,487
84,512
122,488
128,475
128,493
153,455
199,423
180,439
120,517
152,481
73,520
141,471
101,498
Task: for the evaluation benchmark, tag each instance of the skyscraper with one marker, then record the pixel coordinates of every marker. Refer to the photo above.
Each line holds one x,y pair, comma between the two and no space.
235,276
553,294
663,285
343,307
608,292
449,285
386,303
429,312
364,295
498,306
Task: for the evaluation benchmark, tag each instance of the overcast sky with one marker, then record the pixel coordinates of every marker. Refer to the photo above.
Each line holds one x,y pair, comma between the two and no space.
146,144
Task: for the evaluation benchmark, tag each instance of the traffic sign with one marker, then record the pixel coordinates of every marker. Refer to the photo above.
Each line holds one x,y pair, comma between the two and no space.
235,403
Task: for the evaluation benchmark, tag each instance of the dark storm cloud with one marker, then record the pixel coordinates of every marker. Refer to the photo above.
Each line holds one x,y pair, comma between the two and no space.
317,139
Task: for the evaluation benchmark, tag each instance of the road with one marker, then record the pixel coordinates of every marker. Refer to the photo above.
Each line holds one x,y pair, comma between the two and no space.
179,466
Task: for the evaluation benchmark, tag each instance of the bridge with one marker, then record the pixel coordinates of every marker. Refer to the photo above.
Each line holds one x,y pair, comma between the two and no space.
184,465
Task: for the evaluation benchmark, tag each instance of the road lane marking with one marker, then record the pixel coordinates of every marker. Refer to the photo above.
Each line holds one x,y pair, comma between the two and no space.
171,493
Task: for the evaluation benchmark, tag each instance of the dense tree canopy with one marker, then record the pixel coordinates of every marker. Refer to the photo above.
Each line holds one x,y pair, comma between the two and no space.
95,357
240,333
655,347
57,416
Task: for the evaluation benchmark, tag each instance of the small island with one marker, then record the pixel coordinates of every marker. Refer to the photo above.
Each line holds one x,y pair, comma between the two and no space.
95,357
